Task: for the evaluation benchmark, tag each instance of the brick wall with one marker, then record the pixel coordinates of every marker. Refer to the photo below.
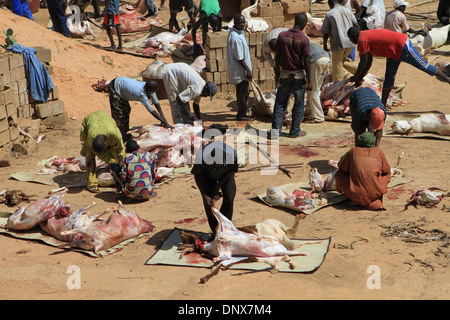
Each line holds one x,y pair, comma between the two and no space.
16,103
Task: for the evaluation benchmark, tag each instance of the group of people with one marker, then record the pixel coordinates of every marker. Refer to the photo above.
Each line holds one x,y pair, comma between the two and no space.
299,67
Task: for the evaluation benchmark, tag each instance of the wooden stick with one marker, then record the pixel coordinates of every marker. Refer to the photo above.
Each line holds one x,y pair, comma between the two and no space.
421,3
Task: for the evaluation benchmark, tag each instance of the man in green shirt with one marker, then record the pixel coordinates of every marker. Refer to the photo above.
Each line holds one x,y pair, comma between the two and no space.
209,13
100,137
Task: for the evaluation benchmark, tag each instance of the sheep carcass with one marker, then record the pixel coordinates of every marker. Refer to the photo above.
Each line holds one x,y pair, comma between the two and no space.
433,123
77,27
120,226
25,218
318,184
435,37
231,245
132,18
313,26
299,199
252,24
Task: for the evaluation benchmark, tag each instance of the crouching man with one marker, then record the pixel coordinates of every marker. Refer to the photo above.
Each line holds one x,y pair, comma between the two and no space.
100,137
364,173
214,169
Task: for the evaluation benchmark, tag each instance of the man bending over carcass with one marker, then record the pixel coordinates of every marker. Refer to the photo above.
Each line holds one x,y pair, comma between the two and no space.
100,137
122,90
364,173
214,170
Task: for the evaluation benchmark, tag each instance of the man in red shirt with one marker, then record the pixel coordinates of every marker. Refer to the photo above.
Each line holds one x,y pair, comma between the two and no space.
292,65
394,46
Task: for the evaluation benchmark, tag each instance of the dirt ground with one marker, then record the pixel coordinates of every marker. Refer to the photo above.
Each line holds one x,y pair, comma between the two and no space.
408,270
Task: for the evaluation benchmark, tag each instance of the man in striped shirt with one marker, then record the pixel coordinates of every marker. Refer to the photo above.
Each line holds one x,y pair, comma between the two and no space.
367,113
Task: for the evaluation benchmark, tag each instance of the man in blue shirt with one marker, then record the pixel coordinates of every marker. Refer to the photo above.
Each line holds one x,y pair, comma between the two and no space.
122,90
239,65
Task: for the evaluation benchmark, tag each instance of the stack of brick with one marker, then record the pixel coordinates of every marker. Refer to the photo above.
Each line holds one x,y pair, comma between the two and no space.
281,14
15,101
216,62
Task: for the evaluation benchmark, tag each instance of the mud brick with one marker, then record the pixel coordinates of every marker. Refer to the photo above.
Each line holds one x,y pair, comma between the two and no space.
49,68
22,85
289,20
209,76
210,53
11,110
211,65
26,111
8,95
56,120
55,93
221,65
252,39
258,50
269,9
2,111
217,78
4,138
4,125
2,81
18,73
13,133
43,54
277,21
15,61
4,63
15,87
295,6
216,39
23,99
51,108
7,77
224,77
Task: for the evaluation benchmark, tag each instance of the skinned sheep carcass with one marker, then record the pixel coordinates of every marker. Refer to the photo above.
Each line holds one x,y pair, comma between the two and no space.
25,218
318,184
299,199
120,226
77,27
132,18
232,245
313,26
432,123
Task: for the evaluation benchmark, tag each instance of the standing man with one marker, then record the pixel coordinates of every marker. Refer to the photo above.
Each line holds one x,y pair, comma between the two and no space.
396,20
320,63
112,19
371,15
58,17
335,25
122,90
239,65
394,46
368,113
183,84
100,137
176,6
214,169
292,62
364,173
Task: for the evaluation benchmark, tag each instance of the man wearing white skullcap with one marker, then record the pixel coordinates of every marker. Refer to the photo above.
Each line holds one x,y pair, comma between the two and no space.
396,20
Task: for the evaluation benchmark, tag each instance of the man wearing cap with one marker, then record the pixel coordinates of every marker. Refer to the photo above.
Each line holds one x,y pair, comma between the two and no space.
368,113
239,65
214,169
364,173
396,20
183,84
122,90
394,46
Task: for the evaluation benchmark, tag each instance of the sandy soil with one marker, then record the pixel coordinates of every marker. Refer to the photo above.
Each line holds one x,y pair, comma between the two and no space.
408,270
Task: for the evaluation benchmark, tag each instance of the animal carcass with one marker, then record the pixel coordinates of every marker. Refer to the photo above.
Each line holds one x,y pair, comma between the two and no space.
25,218
77,27
232,245
252,24
318,184
59,223
120,226
435,37
313,26
299,199
132,18
433,123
